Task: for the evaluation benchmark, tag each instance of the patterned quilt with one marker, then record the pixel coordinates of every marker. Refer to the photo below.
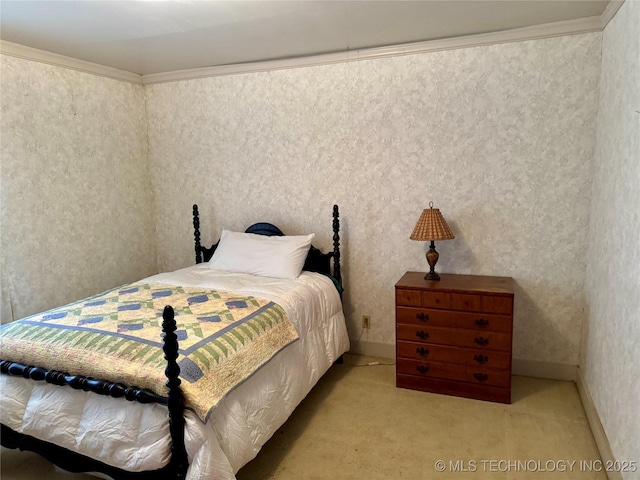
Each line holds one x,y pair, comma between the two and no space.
117,336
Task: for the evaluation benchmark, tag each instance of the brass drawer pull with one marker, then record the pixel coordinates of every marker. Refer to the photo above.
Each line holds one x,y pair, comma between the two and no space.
481,377
422,368
481,358
481,322
481,341
423,352
422,334
423,317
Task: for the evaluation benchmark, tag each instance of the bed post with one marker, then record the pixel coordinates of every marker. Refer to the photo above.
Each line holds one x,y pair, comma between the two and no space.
179,462
336,246
196,233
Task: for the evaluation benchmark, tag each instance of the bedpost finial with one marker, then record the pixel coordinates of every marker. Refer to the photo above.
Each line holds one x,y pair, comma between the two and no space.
196,233
337,274
168,314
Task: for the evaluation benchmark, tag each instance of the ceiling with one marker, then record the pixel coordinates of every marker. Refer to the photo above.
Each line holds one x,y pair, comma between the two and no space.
146,37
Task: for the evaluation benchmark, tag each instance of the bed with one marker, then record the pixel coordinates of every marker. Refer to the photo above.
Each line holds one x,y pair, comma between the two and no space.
91,427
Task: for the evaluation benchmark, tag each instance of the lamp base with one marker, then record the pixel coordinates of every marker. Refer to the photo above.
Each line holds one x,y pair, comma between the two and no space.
432,276
432,259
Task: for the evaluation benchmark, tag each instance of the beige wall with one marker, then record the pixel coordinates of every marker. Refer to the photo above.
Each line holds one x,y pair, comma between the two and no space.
500,138
76,212
611,336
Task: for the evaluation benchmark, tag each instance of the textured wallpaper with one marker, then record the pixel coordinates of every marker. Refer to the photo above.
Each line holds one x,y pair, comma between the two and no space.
500,138
76,212
612,325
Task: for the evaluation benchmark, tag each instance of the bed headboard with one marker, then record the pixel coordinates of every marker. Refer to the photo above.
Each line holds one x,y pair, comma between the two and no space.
316,260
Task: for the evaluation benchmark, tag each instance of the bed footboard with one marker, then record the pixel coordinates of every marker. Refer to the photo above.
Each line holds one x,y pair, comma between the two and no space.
74,462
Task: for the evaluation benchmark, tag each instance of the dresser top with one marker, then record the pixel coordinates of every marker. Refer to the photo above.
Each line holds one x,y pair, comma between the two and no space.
450,282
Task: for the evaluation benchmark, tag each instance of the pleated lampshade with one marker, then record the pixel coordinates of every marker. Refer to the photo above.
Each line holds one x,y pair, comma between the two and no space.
431,226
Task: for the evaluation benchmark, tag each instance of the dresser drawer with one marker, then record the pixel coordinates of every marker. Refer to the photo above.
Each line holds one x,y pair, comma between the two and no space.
447,354
489,376
468,303
431,369
447,318
455,337
455,301
436,300
492,304
408,297
478,376
451,387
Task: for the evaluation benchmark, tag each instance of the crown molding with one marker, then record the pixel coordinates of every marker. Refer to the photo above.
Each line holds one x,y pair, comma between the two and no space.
612,8
536,32
42,56
555,29
195,73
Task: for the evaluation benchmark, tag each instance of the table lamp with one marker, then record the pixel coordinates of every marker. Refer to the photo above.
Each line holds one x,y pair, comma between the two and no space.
432,226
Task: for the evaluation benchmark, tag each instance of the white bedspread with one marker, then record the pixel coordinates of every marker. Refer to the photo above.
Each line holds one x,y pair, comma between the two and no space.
136,437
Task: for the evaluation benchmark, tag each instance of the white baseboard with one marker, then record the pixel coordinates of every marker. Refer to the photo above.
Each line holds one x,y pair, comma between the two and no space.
373,349
550,370
599,435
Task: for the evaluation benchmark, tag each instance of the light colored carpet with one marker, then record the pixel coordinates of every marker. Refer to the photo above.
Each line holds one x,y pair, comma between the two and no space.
356,424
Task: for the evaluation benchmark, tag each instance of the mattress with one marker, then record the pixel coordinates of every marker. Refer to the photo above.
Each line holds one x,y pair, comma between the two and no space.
136,437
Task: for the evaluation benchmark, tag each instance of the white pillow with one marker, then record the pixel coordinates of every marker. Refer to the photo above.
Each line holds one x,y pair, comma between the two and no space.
278,257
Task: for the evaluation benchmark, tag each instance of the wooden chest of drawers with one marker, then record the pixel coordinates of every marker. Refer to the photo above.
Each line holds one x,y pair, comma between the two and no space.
454,336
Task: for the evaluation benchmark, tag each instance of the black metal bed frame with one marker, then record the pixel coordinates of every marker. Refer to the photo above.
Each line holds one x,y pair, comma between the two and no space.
179,463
